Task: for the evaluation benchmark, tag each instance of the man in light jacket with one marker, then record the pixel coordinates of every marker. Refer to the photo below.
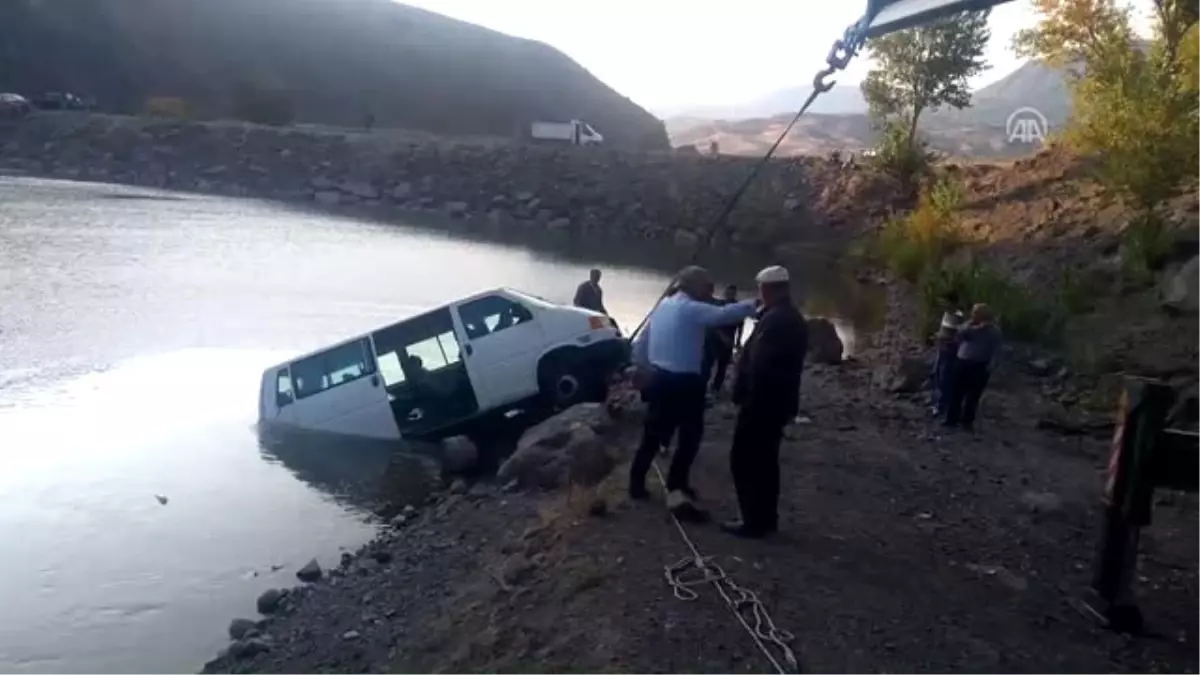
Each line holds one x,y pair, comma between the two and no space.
670,350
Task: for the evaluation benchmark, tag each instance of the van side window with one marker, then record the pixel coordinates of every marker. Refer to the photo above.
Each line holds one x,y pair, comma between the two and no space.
332,367
492,314
283,388
409,349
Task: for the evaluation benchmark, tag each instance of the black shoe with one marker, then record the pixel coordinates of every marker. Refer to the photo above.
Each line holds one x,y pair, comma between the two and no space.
739,529
638,492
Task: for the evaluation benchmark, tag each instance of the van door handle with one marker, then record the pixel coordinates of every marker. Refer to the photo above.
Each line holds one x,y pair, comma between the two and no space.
374,380
467,348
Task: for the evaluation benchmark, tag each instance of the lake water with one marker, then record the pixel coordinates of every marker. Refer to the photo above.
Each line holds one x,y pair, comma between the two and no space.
134,325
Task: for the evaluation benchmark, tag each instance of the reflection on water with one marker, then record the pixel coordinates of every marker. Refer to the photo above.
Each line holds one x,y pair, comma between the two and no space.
360,473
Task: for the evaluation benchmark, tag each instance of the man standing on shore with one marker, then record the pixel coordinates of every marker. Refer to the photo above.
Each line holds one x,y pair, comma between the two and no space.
979,344
671,349
767,390
589,294
720,344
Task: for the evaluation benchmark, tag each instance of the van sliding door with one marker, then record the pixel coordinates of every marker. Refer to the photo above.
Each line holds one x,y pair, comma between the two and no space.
421,362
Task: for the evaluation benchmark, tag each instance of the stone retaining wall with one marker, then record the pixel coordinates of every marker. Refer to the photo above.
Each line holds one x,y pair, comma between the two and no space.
670,197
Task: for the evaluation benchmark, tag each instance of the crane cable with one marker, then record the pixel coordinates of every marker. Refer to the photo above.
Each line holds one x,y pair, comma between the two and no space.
763,632
843,50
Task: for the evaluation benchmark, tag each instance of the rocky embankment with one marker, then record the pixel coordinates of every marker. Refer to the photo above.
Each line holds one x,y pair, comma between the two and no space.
662,196
902,548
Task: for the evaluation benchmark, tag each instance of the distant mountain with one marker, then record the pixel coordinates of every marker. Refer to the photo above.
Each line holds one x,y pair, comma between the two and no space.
839,100
335,61
975,131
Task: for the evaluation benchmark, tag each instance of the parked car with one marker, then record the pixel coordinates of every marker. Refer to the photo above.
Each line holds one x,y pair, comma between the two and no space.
452,370
14,106
59,100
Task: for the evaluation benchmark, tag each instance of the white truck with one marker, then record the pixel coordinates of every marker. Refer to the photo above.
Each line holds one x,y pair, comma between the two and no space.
447,371
575,132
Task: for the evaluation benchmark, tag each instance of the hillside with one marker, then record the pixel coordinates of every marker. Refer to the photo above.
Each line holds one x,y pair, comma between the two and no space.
335,60
978,131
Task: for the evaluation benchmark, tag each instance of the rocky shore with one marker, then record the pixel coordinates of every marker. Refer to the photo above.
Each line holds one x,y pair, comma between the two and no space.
903,548
488,185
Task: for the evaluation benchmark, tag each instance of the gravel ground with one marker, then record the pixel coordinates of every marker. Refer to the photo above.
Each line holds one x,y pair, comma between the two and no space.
901,549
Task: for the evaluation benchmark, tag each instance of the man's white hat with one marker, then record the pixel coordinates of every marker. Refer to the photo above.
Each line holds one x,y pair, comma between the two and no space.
772,275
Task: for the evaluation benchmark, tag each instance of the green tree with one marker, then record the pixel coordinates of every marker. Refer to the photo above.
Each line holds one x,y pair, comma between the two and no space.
925,68
1135,107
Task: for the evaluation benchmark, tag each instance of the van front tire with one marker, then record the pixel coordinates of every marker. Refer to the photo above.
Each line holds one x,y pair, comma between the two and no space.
564,381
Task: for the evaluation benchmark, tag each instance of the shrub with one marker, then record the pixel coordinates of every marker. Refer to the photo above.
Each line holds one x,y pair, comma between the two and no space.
906,159
911,244
1146,244
1019,311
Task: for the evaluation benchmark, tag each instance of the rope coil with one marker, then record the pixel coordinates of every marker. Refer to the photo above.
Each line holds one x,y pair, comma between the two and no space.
738,599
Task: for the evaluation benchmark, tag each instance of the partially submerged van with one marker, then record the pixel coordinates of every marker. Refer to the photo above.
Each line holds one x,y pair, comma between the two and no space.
446,371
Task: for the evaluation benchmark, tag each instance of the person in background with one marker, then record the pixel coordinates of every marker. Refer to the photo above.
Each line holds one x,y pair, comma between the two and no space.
670,349
979,344
589,294
767,391
720,344
946,345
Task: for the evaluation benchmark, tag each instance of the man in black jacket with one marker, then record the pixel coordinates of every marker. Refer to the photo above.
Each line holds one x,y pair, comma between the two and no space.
589,295
767,391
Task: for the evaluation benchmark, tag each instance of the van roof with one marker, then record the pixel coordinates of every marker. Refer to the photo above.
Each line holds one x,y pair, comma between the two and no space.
468,298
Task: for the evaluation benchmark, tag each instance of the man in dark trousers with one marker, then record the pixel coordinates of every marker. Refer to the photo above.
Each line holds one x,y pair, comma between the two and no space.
720,343
669,351
589,295
767,390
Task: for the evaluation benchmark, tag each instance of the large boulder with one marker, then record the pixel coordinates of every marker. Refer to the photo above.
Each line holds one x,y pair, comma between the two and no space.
824,345
565,449
909,376
1181,292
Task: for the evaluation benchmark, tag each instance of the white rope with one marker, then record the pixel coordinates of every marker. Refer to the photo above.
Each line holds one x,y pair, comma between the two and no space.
736,598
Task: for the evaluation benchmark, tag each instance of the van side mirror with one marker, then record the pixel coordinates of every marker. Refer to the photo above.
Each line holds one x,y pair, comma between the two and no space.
282,398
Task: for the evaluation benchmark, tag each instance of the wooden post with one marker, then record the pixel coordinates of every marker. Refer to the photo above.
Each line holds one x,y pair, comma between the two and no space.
1135,465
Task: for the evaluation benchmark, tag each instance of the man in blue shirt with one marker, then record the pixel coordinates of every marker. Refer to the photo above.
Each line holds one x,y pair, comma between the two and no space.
670,351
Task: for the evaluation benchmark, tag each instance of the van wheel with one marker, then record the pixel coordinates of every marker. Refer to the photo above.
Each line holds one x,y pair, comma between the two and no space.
563,383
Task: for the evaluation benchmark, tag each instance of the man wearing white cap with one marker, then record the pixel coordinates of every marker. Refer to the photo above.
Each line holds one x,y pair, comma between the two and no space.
671,349
767,390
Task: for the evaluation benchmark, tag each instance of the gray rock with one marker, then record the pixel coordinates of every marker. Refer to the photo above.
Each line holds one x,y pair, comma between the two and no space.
456,208
327,197
566,448
351,635
402,191
268,602
458,487
1181,292
381,556
523,196
240,628
559,224
310,572
911,375
360,189
400,520
686,239
1043,502
791,204
479,491
458,454
824,345
248,648
409,510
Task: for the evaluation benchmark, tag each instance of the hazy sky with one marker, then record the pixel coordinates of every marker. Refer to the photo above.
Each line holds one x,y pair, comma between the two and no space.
670,53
